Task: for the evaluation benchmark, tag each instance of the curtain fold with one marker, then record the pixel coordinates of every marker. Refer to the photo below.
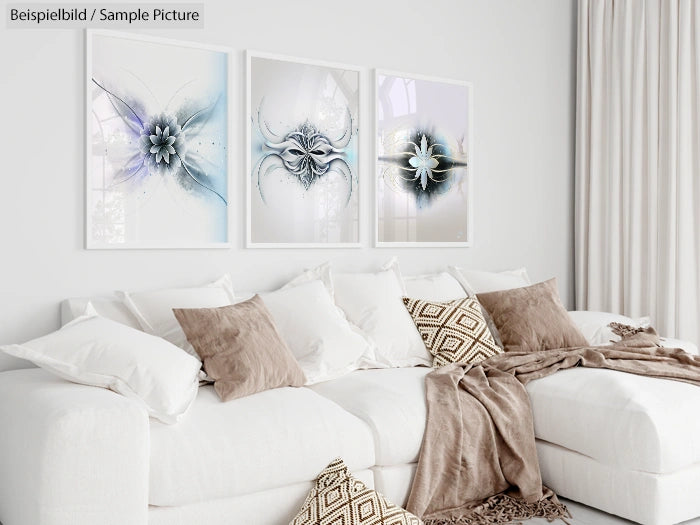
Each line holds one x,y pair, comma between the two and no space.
637,225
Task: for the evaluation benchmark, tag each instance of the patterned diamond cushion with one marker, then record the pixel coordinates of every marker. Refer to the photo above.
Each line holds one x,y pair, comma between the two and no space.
454,331
340,499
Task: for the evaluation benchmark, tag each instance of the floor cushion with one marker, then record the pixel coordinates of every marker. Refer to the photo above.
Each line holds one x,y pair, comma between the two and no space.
259,442
339,498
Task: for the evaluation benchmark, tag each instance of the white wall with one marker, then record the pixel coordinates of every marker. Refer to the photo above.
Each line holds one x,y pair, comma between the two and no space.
520,56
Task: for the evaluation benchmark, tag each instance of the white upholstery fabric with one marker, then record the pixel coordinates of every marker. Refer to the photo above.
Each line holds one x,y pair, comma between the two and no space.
259,442
391,402
622,420
650,499
269,507
70,454
395,482
669,342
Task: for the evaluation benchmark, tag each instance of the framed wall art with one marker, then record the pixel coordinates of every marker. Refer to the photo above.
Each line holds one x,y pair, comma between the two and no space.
157,143
302,131
424,161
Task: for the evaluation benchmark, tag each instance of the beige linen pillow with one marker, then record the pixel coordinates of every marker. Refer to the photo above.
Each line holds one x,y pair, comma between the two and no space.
240,348
532,318
339,498
453,331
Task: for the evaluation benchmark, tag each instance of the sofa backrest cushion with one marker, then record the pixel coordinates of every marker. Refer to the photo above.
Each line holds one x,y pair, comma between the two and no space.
109,307
433,287
475,282
373,302
154,309
317,332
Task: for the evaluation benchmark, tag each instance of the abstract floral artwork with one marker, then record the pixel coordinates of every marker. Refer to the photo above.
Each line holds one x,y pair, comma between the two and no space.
157,143
303,161
424,161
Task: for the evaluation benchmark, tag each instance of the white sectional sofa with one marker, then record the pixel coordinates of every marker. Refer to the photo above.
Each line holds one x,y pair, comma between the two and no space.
77,455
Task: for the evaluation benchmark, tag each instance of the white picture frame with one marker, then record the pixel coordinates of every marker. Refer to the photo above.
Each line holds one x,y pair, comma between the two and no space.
199,216
253,240
444,92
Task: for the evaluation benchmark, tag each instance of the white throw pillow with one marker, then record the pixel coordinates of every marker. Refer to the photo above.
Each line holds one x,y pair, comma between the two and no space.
316,331
95,351
433,287
8,362
322,272
108,307
687,346
373,302
475,282
594,325
154,309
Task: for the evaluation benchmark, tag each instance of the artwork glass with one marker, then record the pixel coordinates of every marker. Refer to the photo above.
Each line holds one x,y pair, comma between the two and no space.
424,161
303,153
157,143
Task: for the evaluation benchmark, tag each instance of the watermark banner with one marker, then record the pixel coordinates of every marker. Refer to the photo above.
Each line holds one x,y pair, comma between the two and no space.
106,16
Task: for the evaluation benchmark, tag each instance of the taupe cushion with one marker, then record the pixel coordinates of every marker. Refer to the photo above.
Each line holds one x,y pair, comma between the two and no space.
338,498
453,331
240,348
532,318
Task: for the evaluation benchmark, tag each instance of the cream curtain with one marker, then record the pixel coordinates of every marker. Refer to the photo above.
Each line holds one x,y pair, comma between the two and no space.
638,161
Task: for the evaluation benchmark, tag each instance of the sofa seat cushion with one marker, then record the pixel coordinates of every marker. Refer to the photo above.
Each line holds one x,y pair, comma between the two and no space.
391,402
259,442
619,419
266,507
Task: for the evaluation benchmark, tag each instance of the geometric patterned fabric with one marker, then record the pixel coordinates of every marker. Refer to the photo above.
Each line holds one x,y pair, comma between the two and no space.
339,499
453,331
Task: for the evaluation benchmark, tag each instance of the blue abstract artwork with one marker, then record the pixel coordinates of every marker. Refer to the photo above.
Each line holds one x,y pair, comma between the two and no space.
157,143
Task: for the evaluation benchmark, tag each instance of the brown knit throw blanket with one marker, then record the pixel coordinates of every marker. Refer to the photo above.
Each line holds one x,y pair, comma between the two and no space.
478,463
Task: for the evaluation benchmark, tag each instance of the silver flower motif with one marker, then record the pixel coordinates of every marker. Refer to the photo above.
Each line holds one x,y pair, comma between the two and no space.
162,142
305,152
424,162
308,153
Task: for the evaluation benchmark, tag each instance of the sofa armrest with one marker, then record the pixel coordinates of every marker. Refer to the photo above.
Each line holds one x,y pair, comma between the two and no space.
70,454
593,326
